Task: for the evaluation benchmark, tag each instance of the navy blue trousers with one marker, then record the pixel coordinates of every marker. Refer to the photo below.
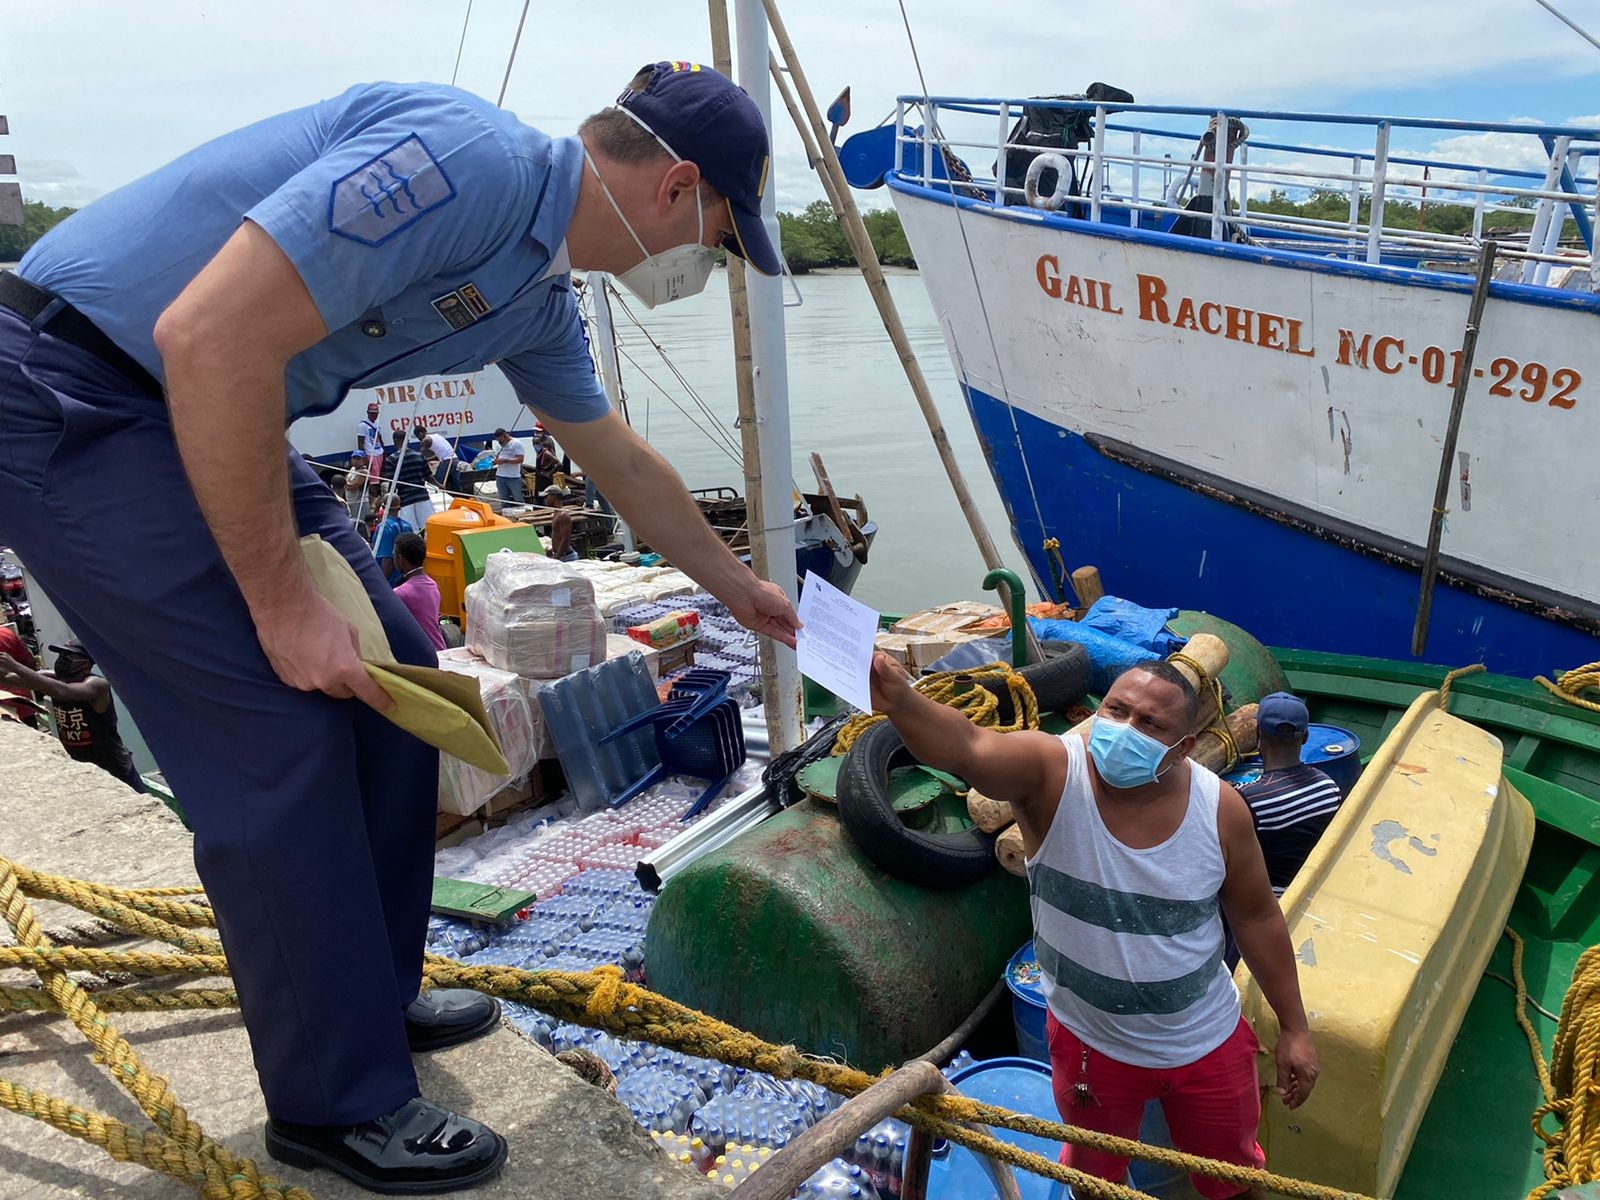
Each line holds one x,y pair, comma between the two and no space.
313,817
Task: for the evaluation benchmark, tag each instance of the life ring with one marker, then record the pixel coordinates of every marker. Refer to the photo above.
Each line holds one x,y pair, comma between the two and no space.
1057,199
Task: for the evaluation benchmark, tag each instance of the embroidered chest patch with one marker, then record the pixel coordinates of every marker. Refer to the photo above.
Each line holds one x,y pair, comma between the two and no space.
386,194
461,307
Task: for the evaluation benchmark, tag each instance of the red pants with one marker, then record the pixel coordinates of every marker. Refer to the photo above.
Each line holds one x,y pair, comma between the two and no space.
1212,1106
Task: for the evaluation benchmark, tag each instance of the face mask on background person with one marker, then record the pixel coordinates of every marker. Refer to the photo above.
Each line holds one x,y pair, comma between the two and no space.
672,274
1125,757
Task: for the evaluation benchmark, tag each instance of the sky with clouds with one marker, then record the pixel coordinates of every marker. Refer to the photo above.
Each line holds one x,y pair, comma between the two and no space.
99,92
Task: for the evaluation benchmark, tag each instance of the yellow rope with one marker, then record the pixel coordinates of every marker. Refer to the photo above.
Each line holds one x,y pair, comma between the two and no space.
1444,688
1571,1084
1218,728
176,1146
980,705
601,999
1579,679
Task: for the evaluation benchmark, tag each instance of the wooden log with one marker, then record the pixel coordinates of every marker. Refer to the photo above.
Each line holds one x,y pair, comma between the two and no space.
1008,849
991,816
837,1132
1086,585
1212,752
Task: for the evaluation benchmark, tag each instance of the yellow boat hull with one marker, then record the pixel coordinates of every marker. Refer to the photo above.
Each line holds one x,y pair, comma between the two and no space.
1393,919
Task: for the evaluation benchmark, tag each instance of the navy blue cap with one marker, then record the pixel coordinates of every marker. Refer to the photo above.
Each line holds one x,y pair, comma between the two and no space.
1282,713
711,121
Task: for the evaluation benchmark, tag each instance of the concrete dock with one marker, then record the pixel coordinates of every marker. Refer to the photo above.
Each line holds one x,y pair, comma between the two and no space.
569,1140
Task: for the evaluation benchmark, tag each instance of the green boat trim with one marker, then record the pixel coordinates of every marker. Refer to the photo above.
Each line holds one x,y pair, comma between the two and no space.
1476,1139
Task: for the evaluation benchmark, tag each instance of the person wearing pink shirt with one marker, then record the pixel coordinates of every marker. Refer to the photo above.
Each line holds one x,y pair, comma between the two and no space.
416,589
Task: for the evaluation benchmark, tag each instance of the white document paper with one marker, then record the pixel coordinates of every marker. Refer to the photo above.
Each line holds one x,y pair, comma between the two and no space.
835,642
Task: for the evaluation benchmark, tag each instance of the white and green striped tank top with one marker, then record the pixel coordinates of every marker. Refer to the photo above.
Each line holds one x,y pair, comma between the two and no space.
1130,941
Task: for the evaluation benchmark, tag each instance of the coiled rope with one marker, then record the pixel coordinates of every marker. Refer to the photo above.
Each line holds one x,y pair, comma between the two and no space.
1570,683
1571,1083
962,690
601,999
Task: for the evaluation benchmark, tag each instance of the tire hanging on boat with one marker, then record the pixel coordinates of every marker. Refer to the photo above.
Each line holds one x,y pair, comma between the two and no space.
935,860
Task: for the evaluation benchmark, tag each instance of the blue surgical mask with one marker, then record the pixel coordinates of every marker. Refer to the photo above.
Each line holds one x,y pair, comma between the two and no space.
1124,757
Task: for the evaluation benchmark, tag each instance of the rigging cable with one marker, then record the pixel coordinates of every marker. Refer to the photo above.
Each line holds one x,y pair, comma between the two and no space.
932,130
462,44
511,60
1569,22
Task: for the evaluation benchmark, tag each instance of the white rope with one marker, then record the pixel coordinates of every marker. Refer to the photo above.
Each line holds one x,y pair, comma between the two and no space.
972,267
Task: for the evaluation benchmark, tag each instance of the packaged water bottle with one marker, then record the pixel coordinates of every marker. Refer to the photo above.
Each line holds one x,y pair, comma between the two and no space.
897,1169
861,1155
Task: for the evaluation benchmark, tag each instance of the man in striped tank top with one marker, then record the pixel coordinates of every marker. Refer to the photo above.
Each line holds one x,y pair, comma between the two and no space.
1135,854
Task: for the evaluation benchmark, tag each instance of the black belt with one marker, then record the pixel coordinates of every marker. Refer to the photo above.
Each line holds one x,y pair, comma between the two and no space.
28,300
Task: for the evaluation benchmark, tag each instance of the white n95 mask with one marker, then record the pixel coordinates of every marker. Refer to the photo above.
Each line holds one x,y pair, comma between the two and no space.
672,274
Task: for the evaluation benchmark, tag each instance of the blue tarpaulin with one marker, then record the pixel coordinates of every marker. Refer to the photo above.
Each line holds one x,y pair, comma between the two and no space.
1108,656
1130,622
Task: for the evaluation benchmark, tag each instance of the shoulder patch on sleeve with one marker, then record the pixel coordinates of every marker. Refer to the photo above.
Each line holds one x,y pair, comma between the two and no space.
383,196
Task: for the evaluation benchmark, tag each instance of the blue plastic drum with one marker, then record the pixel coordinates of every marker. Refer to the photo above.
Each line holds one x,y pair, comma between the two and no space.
1027,1004
1015,1083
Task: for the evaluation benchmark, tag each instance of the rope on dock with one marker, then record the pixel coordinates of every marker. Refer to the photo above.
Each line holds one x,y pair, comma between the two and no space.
962,690
600,999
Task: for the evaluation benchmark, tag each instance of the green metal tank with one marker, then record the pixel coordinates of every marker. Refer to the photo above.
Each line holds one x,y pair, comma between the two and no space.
1251,672
791,933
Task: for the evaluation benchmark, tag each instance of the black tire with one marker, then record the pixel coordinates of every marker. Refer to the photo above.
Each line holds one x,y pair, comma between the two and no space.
930,860
1059,682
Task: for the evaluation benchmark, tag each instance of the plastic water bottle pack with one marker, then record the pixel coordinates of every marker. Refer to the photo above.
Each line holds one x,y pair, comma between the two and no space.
880,1152
604,885
738,1163
661,1101
748,1120
840,1180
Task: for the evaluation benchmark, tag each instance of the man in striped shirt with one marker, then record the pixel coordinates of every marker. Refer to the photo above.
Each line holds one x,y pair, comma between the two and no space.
1292,803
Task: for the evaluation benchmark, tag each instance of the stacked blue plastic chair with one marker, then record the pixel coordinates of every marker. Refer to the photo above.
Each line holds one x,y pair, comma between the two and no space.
697,733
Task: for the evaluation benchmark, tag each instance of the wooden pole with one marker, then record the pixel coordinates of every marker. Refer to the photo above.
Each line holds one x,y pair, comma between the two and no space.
814,136
1087,586
837,1132
772,698
1458,403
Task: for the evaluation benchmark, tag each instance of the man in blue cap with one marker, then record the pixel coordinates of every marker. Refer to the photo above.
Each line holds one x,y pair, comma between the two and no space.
160,341
1292,803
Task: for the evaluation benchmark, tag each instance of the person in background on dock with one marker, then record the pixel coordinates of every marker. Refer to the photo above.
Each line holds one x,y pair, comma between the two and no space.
561,547
369,438
186,319
508,467
444,455
389,532
416,589
359,495
408,475
85,713
1134,855
16,701
1292,803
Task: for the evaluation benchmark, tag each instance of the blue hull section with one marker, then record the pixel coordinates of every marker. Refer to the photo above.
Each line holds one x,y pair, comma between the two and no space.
1159,542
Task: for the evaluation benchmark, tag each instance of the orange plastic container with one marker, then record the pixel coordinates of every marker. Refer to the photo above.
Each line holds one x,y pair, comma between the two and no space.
446,562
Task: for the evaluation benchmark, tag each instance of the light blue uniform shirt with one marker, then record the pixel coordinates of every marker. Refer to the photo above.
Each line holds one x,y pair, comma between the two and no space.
422,219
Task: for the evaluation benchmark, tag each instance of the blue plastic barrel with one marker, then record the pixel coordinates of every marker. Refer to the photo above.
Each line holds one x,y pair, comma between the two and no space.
1336,752
1021,1085
1027,1004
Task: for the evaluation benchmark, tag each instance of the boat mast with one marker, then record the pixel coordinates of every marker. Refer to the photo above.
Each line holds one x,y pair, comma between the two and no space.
764,420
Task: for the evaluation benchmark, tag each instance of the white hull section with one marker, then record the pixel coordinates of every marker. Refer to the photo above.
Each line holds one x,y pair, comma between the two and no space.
472,406
1326,390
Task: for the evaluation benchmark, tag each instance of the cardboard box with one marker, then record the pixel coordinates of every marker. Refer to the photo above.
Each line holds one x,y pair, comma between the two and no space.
916,652
946,619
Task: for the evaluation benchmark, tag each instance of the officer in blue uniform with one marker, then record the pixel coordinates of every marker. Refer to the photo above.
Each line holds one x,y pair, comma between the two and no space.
158,343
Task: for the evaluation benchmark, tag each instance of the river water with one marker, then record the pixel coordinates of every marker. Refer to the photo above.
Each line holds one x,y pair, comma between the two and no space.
849,401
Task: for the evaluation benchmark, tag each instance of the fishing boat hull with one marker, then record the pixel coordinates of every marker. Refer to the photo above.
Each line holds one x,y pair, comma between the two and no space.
1204,418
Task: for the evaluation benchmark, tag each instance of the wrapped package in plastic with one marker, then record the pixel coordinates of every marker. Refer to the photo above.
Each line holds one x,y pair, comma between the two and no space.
517,726
465,661
535,617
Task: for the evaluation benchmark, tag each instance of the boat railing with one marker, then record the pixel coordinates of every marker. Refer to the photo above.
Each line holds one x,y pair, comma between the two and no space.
1307,196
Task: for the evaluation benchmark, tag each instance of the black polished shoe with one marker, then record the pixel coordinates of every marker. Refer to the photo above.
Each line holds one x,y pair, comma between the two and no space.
448,1016
418,1148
